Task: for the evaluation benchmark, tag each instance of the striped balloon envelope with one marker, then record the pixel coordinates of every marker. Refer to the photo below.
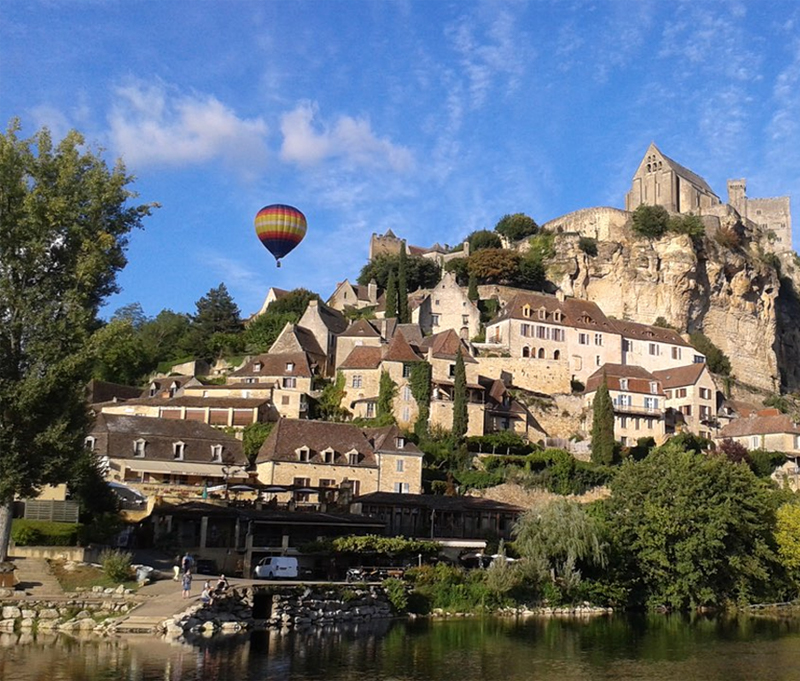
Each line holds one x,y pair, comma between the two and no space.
280,228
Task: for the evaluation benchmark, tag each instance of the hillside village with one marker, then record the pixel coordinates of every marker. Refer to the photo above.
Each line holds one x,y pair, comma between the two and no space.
355,390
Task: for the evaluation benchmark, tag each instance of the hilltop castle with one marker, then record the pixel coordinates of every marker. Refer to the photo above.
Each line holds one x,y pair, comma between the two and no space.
660,181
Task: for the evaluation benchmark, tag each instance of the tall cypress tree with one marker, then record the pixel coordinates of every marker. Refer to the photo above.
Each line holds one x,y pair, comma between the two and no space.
472,290
603,442
391,297
403,313
460,412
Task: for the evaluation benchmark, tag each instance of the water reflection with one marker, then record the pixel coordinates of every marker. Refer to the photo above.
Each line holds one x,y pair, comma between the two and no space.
640,647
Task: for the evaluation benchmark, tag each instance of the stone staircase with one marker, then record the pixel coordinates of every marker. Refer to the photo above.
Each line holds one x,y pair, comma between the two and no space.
35,579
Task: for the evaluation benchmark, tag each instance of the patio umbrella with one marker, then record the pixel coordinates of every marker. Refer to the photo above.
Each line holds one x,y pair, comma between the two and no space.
273,488
241,488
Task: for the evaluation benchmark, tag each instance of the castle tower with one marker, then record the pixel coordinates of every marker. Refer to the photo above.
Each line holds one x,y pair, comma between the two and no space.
737,196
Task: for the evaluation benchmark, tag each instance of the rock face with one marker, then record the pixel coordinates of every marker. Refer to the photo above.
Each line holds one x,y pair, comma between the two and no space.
730,294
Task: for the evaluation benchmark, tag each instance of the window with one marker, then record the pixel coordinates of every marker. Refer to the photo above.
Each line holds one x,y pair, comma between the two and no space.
526,351
754,442
654,349
598,339
542,313
400,443
597,360
654,387
668,394
623,421
328,455
676,353
627,345
624,400
651,403
436,301
699,359
406,414
216,453
304,454
401,488
153,390
357,380
452,371
177,450
327,482
138,448
705,394
257,367
705,411
352,458
89,443
435,319
526,311
406,370
680,392
583,339
542,332
558,335
623,383
299,484
556,354
400,465
464,320
686,409
285,400
250,380
525,330
370,410
289,366
289,382
407,393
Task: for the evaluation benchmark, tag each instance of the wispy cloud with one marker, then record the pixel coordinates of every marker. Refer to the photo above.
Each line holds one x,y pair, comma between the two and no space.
155,125
309,141
239,278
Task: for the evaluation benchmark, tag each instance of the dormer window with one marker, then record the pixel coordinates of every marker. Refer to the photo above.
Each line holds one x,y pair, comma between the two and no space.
400,442
173,389
653,387
328,455
257,367
178,449
304,454
153,389
89,443
352,457
289,367
542,313
526,311
138,448
216,453
557,316
623,383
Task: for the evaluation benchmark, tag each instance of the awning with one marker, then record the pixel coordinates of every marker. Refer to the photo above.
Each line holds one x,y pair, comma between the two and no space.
205,470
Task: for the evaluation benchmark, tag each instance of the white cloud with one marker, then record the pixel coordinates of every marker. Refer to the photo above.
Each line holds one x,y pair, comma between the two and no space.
308,142
239,278
152,125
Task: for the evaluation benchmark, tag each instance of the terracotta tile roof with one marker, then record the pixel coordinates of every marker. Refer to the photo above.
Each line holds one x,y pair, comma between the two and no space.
163,385
411,332
760,425
399,350
740,407
194,400
363,357
289,435
680,376
116,434
445,345
647,332
275,364
360,328
572,312
639,379
104,391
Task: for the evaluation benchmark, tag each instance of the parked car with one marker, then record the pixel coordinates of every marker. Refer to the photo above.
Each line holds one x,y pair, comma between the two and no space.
206,566
276,567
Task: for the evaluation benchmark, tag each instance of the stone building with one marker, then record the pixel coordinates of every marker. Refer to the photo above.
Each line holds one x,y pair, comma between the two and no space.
690,399
660,181
355,296
773,216
655,347
446,306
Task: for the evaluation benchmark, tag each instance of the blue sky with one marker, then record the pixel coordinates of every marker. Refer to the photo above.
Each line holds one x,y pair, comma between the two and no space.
432,118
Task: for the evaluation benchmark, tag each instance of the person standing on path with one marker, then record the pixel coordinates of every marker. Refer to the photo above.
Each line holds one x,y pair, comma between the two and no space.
186,583
187,562
176,569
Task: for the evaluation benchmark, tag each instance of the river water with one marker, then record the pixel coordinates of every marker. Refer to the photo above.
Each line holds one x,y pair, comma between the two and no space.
617,647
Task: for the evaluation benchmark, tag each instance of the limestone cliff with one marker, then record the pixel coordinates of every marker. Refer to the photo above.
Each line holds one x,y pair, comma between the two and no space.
727,290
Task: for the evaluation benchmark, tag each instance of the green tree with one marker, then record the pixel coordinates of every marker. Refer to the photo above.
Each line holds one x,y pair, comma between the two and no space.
472,289
387,390
687,224
294,302
603,442
420,383
718,362
494,265
253,436
420,272
458,266
787,536
555,538
483,238
163,336
650,221
216,313
531,273
264,330
64,225
460,409
120,355
517,226
693,530
403,314
329,404
391,297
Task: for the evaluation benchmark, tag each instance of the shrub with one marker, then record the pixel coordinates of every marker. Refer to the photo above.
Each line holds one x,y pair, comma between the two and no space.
483,239
588,245
517,226
687,224
763,463
717,360
44,533
650,221
727,237
396,593
116,564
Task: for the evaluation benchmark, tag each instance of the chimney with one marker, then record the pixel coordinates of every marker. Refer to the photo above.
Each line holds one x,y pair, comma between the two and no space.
372,291
560,295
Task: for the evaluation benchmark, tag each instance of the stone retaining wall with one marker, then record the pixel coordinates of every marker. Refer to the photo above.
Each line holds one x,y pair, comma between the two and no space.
285,609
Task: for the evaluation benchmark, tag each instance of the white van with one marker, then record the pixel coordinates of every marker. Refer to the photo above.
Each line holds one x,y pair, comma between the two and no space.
276,567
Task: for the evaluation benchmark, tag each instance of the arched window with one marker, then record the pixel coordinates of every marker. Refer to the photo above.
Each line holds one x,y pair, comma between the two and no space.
556,354
526,351
540,355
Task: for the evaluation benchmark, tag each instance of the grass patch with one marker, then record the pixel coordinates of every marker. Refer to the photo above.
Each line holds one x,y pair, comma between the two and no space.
84,577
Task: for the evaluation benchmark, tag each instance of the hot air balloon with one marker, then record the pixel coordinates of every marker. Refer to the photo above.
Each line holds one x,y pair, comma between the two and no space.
280,228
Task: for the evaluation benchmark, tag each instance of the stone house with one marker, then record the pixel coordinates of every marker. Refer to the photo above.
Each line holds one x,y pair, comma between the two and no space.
360,332
638,399
325,324
446,306
145,452
690,398
539,326
353,296
362,371
502,412
766,429
655,347
323,455
169,386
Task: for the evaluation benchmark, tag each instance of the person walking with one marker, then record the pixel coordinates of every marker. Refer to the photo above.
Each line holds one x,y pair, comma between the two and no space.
176,569
187,562
186,584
